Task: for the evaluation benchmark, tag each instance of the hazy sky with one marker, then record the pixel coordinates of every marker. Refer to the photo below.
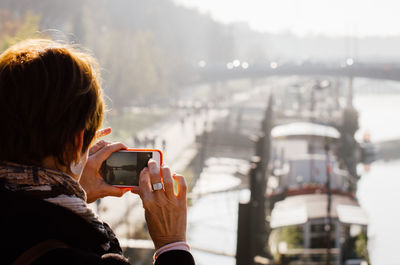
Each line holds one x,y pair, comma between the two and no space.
330,17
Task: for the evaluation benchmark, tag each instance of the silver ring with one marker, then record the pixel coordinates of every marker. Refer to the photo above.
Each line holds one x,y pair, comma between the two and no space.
157,186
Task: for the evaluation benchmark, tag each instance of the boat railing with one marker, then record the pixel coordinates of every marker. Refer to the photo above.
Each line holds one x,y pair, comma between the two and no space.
298,175
311,256
311,251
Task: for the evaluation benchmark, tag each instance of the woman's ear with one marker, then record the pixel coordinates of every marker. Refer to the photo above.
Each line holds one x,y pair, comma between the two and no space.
79,140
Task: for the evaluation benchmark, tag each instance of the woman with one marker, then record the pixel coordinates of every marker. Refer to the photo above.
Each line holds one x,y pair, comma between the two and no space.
51,107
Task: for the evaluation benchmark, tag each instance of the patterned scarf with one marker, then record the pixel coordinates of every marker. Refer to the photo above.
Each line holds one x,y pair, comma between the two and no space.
55,187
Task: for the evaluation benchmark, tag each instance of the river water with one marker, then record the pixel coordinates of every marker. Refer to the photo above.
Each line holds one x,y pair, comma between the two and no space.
379,189
213,218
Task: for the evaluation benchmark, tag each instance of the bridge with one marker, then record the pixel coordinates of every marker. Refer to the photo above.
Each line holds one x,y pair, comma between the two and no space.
220,72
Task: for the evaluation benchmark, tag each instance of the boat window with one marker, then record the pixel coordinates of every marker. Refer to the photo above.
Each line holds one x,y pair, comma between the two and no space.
319,236
284,239
292,236
354,242
304,172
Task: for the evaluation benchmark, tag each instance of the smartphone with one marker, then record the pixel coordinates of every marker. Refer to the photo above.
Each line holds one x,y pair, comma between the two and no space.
122,168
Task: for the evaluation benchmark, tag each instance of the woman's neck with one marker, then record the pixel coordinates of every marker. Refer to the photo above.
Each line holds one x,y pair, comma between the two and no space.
50,162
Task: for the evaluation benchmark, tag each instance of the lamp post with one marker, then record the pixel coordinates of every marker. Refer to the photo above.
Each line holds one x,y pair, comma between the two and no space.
349,64
328,224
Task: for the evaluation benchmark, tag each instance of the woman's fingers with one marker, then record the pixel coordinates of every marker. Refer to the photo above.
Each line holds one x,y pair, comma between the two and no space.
107,150
165,215
182,187
113,191
154,170
97,146
144,182
100,144
167,180
102,132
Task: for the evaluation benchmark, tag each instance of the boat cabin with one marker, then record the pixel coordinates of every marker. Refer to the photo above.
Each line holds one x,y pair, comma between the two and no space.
304,233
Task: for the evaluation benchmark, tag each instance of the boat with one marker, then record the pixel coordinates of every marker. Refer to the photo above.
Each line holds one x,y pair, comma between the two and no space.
314,215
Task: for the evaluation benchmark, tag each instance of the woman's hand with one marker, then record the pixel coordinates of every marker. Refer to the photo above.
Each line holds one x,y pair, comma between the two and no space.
165,211
91,180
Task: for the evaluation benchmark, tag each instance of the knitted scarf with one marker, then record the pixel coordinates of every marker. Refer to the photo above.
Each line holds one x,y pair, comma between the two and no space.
55,187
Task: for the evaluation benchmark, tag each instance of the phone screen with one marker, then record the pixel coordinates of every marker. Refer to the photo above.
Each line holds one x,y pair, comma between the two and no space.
123,168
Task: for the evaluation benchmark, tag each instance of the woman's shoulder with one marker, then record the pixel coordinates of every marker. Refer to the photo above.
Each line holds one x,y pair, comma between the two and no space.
28,217
29,221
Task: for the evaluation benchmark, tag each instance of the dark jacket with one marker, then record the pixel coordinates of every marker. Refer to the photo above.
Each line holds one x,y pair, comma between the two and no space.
27,221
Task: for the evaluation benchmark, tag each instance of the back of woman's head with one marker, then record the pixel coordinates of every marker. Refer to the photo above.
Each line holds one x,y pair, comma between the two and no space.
49,92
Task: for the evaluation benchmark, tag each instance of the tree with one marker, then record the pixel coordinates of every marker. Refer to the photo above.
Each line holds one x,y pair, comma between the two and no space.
135,68
15,30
